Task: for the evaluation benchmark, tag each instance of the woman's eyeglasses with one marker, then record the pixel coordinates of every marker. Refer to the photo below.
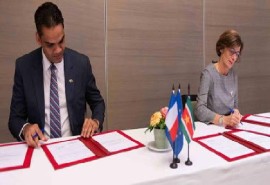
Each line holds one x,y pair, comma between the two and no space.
233,52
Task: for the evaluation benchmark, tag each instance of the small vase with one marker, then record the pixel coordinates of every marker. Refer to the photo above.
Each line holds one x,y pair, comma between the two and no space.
161,141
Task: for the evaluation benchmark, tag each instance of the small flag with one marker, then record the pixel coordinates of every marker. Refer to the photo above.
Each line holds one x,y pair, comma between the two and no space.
173,121
188,125
180,139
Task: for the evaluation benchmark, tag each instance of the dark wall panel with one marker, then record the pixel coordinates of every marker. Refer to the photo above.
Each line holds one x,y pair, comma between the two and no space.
151,45
251,19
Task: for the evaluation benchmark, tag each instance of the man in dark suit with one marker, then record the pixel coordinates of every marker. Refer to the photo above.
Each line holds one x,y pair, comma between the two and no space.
52,85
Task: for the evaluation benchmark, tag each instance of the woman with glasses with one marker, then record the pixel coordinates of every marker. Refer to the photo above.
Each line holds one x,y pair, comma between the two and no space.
217,100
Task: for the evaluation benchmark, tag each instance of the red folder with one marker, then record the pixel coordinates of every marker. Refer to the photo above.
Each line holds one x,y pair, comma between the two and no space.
92,145
244,142
27,159
254,149
255,122
244,121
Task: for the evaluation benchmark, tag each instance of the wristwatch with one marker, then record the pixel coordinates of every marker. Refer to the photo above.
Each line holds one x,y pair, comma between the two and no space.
220,120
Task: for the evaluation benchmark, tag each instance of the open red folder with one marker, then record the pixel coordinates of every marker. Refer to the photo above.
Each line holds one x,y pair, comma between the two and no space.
254,123
248,143
256,141
257,119
15,156
70,152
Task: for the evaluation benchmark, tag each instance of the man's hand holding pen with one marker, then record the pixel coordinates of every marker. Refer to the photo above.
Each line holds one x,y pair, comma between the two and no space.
32,134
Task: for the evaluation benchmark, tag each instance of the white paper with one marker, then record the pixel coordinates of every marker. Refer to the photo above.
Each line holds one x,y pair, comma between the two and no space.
226,146
261,140
267,114
69,151
114,141
258,119
12,155
254,127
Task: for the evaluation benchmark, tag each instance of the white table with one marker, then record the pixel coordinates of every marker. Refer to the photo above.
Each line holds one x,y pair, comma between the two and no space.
142,166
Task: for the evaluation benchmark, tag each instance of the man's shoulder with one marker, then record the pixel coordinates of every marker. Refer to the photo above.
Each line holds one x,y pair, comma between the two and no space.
34,53
31,56
73,53
72,57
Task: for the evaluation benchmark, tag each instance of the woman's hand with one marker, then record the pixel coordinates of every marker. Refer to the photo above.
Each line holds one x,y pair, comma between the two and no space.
232,120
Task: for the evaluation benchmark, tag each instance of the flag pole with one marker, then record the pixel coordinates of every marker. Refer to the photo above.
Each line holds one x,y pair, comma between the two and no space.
176,159
188,161
188,89
174,162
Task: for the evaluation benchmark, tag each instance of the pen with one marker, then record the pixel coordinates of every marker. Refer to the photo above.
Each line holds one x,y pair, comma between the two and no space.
232,111
36,134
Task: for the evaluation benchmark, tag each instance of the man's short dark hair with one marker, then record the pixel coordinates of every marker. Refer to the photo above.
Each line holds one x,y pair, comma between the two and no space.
48,15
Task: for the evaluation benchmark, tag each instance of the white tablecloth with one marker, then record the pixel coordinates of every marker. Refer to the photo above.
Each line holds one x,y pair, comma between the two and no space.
142,166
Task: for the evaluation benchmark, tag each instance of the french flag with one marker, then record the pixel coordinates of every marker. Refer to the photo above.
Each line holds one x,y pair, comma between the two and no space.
173,122
172,119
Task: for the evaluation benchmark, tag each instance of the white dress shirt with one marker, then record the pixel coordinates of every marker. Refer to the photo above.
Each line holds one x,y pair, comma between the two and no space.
65,126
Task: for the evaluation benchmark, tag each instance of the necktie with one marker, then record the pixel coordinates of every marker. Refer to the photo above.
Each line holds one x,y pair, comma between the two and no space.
55,124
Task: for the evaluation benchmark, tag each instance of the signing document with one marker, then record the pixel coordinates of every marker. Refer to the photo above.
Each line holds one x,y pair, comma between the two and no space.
254,127
258,139
226,146
70,152
14,156
267,114
258,119
114,141
65,152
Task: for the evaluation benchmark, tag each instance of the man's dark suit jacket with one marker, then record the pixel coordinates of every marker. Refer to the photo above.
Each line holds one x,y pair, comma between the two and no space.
27,104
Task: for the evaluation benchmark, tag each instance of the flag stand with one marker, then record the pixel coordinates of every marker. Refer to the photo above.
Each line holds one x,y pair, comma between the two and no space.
177,160
173,165
188,161
174,162
173,130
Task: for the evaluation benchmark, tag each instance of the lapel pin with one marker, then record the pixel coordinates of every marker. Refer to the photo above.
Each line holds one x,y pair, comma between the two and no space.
70,80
